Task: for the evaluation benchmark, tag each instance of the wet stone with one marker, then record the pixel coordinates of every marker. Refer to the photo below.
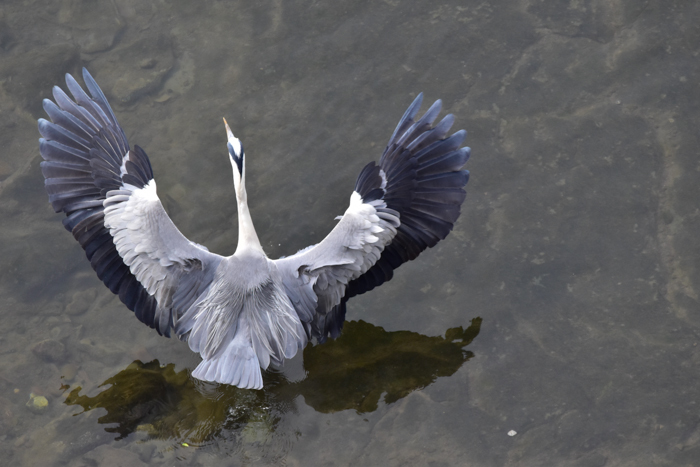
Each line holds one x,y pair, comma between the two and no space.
37,403
81,301
136,69
22,441
54,308
49,350
94,41
68,372
97,352
148,63
95,24
83,439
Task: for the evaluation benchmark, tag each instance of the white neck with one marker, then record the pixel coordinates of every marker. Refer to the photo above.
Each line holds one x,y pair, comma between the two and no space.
247,237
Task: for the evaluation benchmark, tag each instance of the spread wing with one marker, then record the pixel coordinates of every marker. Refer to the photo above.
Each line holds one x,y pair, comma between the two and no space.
109,197
401,206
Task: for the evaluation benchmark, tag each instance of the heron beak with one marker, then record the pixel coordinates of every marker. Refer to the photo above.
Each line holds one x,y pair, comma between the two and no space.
229,134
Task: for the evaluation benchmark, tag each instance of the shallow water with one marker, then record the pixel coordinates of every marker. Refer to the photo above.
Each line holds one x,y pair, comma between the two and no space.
563,306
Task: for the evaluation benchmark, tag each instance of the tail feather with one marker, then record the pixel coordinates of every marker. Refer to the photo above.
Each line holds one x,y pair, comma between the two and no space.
237,364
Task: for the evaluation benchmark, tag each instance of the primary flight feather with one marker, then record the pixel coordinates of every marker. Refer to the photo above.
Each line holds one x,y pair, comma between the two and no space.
244,312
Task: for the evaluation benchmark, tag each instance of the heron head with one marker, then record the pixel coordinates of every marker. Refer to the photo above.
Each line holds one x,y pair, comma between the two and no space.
235,151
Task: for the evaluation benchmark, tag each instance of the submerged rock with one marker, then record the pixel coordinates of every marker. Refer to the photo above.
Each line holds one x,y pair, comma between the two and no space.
37,403
81,301
68,372
95,25
49,350
136,69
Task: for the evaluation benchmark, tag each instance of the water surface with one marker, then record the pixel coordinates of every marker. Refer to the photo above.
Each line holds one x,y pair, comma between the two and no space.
563,306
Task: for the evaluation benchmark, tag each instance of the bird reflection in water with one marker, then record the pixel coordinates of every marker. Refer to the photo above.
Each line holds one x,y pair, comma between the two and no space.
165,404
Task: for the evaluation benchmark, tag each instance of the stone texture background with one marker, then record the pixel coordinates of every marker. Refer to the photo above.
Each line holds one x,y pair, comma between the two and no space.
577,246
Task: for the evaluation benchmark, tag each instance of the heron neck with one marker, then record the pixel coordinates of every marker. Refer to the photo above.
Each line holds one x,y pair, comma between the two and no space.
247,237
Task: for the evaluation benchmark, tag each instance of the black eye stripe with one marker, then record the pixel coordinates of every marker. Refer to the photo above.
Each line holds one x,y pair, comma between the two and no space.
238,160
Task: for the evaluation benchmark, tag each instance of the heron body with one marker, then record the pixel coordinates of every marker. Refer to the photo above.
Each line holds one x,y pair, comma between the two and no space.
245,312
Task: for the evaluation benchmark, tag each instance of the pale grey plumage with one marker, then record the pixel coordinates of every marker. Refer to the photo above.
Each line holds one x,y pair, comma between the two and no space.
245,312
155,251
245,288
321,273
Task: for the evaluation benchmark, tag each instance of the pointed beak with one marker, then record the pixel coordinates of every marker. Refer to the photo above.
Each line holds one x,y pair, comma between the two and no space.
235,146
229,134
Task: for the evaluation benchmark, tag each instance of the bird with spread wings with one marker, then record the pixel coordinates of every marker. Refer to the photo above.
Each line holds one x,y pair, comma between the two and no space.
244,312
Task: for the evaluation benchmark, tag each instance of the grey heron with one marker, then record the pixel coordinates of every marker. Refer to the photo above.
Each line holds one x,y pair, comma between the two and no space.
245,312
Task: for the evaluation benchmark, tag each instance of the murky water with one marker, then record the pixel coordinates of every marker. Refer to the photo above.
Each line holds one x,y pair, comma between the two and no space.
563,306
